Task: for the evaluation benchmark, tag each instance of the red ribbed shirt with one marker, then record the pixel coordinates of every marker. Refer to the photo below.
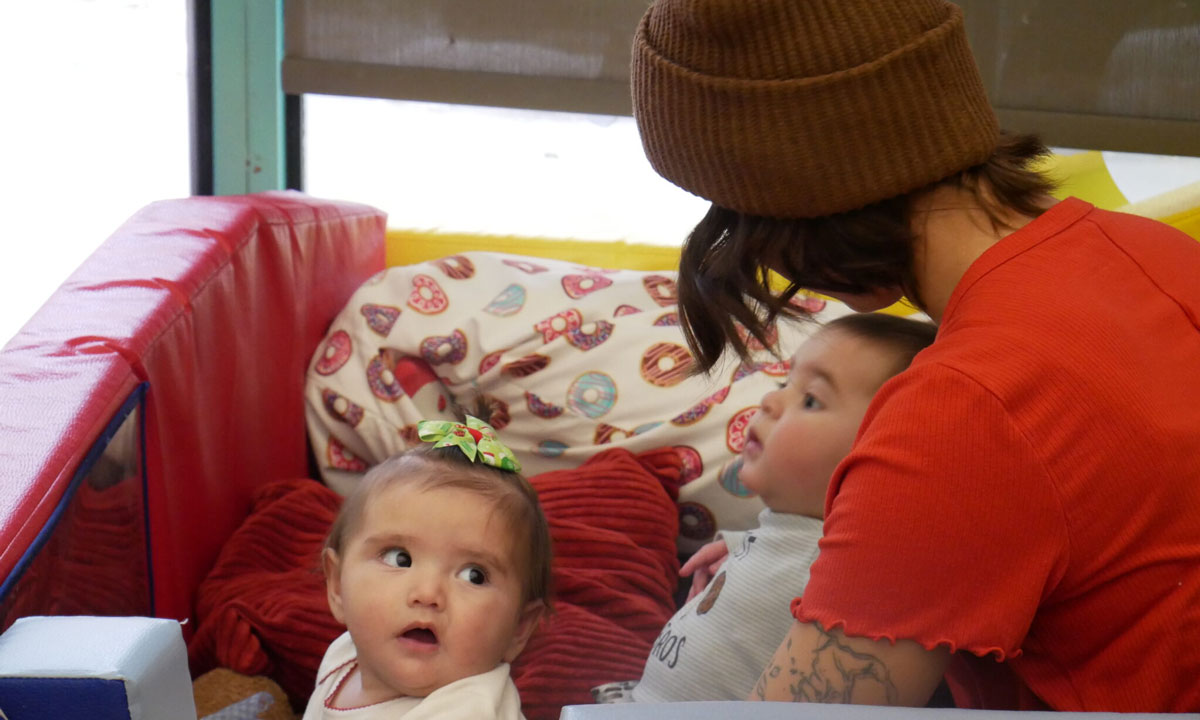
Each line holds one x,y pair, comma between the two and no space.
1029,490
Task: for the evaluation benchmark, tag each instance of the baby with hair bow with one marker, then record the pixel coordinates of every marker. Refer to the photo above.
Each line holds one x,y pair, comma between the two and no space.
439,566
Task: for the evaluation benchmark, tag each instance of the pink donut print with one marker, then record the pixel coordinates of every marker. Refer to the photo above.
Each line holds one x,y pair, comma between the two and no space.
693,414
743,370
382,380
444,349
593,270
808,303
668,319
578,337
525,266
626,310
559,324
411,373
661,289
341,408
693,464
334,353
427,296
576,286
456,267
735,430
341,458
380,318
753,344
489,361
718,397
777,369
541,408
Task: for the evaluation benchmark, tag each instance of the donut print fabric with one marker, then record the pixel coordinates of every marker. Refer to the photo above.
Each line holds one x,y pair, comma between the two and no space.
572,361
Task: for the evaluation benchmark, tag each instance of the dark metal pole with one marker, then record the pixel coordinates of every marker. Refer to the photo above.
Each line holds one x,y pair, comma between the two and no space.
200,119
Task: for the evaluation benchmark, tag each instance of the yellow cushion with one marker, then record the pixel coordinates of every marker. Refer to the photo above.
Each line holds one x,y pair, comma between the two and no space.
1084,175
408,247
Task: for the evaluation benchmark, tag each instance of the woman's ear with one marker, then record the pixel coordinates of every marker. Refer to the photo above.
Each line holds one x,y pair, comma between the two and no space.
331,565
531,614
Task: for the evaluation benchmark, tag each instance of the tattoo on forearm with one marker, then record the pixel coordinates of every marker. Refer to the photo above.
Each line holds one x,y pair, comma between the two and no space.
833,674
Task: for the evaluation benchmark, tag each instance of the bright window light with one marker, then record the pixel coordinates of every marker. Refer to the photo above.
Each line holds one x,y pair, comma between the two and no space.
458,168
95,126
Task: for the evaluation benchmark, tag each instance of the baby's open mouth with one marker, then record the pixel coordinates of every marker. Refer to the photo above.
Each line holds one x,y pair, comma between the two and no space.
421,635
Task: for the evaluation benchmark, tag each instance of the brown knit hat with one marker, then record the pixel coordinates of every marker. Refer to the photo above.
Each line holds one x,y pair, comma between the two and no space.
804,108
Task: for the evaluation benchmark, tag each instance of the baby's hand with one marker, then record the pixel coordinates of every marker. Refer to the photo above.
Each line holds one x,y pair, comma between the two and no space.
703,565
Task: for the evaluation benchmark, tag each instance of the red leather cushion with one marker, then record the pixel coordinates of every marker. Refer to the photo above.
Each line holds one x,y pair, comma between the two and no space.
218,303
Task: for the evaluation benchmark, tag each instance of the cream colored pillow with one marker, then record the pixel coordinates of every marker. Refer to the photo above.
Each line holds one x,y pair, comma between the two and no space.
572,360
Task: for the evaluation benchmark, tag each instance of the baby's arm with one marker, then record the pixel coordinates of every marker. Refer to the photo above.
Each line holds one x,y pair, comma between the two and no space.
703,565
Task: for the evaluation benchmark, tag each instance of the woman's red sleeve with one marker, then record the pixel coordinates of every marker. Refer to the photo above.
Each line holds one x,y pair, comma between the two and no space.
941,525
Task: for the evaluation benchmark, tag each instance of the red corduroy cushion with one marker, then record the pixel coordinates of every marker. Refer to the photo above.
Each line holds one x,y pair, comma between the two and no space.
262,610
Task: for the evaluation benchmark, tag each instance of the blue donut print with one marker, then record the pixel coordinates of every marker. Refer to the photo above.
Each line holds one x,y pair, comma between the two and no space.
729,478
592,394
645,427
509,302
551,448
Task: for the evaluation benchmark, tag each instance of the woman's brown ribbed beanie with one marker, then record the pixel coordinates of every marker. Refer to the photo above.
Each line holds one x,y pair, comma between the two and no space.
804,108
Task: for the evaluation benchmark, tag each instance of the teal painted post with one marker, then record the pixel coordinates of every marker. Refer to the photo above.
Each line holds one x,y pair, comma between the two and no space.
248,115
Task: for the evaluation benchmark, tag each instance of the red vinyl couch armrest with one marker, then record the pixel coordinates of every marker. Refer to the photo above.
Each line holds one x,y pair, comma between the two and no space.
217,303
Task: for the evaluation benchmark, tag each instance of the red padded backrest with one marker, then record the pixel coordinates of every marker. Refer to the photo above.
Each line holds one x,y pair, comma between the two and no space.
218,303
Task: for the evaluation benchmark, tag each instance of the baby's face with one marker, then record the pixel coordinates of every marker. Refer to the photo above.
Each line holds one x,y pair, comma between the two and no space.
805,428
429,589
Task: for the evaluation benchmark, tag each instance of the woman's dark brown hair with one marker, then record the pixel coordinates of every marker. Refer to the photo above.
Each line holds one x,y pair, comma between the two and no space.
724,283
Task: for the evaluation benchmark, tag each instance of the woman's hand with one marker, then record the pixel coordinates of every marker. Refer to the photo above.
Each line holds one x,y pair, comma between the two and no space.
703,565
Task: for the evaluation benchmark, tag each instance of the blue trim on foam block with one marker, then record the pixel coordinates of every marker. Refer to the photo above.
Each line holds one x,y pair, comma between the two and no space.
64,698
142,390
85,466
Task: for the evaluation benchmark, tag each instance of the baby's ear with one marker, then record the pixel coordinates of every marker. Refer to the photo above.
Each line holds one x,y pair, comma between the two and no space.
331,565
531,615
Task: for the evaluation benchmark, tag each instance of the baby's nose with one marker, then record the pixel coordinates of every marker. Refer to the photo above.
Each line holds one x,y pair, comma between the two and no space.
427,590
770,402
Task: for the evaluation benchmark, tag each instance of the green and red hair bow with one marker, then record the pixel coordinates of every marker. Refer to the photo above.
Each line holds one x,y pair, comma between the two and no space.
475,438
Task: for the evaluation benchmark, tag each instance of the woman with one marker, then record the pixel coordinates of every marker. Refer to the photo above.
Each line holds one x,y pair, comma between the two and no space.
1019,509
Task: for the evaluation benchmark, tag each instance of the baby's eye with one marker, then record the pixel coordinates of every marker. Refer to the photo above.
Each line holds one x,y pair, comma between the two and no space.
811,402
397,557
473,574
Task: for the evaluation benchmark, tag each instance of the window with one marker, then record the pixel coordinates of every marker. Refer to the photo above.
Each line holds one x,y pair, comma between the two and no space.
95,126
460,168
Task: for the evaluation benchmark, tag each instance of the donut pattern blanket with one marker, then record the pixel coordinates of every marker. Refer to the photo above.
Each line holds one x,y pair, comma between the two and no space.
569,361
